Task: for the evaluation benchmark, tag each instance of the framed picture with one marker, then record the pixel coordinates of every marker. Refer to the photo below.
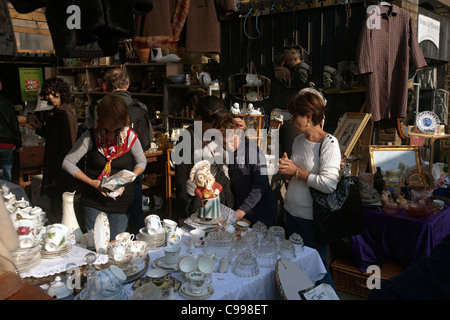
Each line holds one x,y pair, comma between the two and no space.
350,127
394,161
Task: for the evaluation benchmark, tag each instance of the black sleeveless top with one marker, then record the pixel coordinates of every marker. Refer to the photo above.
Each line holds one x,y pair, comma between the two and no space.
95,162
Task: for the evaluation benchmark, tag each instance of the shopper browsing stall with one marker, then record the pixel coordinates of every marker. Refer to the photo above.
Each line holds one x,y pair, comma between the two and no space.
118,81
253,195
307,168
111,146
210,113
60,131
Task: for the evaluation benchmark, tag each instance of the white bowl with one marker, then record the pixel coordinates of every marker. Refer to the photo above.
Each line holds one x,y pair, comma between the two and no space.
177,78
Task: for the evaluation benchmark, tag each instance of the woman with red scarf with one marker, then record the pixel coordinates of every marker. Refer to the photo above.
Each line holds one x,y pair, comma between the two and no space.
110,147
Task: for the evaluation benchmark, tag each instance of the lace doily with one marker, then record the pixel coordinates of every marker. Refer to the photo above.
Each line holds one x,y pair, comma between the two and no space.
49,267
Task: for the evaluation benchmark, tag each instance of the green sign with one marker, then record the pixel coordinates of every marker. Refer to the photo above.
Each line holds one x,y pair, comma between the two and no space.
30,82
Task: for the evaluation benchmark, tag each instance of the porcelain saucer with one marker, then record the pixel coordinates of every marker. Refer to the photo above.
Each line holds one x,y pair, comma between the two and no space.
207,292
161,263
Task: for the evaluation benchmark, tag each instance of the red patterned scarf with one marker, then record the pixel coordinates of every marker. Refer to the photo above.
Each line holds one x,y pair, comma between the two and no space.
113,148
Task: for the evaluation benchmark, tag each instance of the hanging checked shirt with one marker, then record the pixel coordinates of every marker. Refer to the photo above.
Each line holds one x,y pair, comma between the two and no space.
387,42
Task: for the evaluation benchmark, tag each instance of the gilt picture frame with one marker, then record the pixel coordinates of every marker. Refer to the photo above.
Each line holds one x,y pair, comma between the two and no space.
349,129
394,162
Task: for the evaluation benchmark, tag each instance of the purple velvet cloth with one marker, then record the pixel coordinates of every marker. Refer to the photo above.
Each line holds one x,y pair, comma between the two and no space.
398,237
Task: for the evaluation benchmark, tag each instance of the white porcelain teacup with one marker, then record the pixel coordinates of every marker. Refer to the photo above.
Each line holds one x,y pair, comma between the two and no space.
172,254
126,238
26,240
169,225
26,231
54,238
21,203
158,276
198,236
9,198
198,281
139,250
152,223
60,226
188,264
173,238
25,226
117,250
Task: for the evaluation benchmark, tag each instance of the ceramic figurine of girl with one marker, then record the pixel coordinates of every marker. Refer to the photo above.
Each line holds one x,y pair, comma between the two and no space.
208,190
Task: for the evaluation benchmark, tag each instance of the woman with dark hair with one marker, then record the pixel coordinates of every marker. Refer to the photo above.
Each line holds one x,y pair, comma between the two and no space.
210,114
110,147
59,128
315,162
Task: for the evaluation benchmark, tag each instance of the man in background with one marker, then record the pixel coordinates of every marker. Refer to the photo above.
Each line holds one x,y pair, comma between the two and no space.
10,137
300,71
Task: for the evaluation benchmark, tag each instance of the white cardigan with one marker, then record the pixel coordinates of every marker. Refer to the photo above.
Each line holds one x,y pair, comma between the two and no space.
323,176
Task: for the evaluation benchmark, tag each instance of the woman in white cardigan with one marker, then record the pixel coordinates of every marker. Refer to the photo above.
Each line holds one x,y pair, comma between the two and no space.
306,169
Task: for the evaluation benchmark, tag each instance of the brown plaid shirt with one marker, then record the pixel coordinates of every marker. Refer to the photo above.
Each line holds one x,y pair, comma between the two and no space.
383,56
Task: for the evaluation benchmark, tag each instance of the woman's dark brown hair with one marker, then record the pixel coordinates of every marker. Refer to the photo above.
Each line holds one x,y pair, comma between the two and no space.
307,103
112,107
211,109
56,85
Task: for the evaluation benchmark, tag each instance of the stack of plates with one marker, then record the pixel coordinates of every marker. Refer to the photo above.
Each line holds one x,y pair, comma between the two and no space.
154,241
121,264
26,259
65,249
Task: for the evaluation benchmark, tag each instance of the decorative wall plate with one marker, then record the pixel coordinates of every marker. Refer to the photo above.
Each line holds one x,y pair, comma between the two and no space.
427,121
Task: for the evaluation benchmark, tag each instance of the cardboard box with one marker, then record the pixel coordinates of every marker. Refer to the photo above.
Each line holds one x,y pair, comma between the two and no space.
31,157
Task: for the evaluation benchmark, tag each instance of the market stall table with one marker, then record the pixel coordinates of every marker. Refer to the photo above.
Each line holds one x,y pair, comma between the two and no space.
398,237
228,286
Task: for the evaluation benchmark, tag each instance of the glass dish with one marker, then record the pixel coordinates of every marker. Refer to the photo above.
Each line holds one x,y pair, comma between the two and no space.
239,247
252,239
267,254
287,250
277,233
297,240
218,243
260,229
245,266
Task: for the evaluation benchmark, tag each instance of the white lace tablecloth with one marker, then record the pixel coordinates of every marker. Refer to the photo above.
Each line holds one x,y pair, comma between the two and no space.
48,267
228,286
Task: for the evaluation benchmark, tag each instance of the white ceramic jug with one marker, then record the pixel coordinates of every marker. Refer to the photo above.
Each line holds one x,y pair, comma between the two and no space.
69,218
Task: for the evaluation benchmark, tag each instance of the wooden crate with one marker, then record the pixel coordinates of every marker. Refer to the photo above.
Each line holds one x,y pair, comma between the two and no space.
348,278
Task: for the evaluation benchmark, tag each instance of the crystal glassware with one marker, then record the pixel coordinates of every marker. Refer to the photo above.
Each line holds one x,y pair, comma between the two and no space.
245,266
287,250
266,254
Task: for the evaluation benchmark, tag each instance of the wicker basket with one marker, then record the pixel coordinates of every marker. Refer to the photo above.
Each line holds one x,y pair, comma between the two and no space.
349,279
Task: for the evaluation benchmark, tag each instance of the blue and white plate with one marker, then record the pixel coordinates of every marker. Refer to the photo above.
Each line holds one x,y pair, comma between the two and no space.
427,121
